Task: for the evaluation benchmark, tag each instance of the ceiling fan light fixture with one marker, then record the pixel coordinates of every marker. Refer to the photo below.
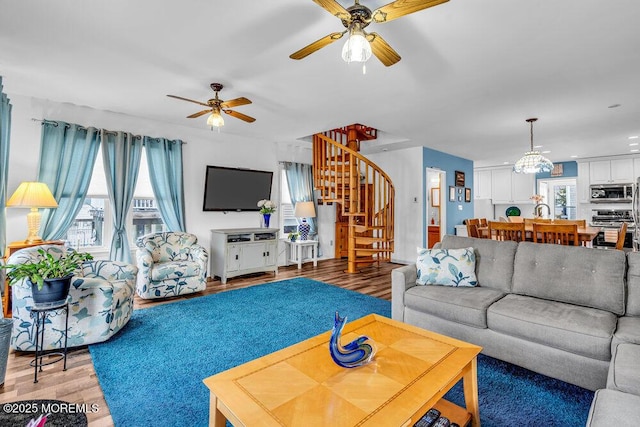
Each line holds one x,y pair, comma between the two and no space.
215,119
357,47
532,161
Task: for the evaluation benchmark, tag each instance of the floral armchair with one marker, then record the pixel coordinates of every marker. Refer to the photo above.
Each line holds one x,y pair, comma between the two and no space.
170,264
100,303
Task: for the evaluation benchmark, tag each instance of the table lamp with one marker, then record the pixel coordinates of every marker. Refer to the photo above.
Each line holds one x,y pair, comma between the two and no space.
304,210
32,195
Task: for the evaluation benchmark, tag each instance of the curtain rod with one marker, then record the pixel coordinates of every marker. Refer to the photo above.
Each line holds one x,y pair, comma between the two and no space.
111,132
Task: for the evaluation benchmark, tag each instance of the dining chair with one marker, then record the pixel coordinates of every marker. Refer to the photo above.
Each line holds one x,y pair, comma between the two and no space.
559,234
581,223
529,221
515,219
504,231
472,227
483,222
621,236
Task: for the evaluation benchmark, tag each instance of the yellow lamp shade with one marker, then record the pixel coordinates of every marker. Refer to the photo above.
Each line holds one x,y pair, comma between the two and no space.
32,195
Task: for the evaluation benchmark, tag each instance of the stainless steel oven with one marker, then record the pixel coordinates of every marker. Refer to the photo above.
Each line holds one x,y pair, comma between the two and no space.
612,219
611,193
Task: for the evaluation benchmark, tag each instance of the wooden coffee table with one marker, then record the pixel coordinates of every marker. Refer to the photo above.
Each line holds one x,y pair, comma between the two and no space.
301,385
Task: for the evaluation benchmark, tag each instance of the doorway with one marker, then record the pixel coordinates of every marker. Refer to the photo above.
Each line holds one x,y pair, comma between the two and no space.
560,195
436,206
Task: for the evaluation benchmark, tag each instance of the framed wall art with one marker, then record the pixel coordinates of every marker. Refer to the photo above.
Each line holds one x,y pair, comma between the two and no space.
467,195
459,178
452,193
435,197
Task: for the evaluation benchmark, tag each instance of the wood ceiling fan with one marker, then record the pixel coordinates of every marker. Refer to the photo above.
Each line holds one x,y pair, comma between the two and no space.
355,18
216,105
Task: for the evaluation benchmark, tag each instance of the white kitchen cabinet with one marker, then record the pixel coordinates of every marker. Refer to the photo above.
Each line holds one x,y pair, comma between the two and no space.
239,251
510,187
482,184
584,195
611,171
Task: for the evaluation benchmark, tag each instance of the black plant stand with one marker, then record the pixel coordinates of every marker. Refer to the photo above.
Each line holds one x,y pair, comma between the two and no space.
40,313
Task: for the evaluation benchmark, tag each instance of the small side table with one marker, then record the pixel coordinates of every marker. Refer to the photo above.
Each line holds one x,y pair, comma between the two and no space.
296,252
40,313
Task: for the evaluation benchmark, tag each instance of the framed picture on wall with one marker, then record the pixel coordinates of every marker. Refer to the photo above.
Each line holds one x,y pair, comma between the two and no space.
467,195
452,193
459,179
435,197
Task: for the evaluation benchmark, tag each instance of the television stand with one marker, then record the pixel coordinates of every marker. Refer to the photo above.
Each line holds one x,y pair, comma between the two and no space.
238,251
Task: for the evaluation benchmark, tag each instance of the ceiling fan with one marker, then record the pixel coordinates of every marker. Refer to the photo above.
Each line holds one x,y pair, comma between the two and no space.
216,105
355,18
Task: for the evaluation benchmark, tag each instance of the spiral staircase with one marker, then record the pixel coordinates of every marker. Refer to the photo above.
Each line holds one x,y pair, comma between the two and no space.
362,191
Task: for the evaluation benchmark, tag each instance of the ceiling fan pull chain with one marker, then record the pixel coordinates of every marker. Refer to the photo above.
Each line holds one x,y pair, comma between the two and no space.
364,68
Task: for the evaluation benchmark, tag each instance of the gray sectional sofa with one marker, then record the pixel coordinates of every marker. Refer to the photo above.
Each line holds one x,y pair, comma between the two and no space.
557,310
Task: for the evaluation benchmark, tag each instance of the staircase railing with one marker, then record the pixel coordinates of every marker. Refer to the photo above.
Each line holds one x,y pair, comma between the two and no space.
365,193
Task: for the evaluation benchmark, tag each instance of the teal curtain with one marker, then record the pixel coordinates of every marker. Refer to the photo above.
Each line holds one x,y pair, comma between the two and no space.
164,158
5,130
67,155
121,152
300,183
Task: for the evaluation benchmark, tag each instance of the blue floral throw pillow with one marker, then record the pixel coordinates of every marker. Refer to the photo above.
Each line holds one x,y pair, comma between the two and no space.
446,267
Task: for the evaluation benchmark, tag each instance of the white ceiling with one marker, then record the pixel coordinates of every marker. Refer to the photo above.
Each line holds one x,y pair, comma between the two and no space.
471,71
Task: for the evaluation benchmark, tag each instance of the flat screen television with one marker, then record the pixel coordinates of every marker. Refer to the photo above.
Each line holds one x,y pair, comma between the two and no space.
234,189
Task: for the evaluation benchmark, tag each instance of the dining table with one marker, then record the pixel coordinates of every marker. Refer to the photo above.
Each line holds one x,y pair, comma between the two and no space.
585,234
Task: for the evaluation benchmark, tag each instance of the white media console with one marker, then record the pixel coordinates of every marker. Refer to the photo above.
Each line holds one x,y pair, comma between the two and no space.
238,251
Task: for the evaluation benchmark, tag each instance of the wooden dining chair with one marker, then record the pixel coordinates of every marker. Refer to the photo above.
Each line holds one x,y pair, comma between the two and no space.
621,236
472,227
559,234
581,223
529,221
516,219
503,231
483,222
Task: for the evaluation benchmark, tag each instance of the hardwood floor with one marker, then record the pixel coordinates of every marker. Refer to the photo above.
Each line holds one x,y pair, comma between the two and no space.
79,383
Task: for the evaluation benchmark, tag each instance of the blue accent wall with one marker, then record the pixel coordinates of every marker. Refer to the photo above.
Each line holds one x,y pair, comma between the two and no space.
569,170
450,164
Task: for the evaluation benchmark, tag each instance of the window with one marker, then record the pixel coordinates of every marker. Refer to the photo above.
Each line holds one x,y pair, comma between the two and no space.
288,222
560,195
93,226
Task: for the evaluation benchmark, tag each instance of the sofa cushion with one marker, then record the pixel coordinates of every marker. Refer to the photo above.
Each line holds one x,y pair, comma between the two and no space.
446,267
580,330
462,305
174,270
575,275
494,260
633,284
624,371
614,408
628,330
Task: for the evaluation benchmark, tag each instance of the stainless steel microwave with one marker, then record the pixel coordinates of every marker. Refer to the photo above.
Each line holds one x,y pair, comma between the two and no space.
611,193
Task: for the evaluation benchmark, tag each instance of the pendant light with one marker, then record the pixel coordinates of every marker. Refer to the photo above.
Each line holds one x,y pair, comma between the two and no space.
532,161
357,47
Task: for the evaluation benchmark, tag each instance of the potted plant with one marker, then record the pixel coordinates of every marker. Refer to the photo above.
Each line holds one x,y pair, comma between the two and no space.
49,276
293,236
267,207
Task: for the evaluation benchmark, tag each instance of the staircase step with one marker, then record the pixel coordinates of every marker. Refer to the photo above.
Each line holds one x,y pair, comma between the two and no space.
362,228
365,252
364,240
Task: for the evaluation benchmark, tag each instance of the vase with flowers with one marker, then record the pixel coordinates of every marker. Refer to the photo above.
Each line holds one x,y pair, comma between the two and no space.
267,207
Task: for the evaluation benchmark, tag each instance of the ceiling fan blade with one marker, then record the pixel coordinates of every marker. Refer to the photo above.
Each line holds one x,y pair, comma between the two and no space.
316,45
400,8
240,116
187,99
199,113
334,8
381,49
235,102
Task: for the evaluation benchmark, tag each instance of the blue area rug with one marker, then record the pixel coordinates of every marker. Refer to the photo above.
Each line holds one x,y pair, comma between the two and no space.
151,372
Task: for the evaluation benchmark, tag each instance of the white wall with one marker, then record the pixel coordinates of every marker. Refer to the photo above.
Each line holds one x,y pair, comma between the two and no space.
203,147
404,167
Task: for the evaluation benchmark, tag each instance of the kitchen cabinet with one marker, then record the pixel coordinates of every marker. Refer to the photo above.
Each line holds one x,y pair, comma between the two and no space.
611,171
584,195
482,184
433,235
510,187
239,251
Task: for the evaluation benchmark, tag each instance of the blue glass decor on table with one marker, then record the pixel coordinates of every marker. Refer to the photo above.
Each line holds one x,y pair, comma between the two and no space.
266,218
357,353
